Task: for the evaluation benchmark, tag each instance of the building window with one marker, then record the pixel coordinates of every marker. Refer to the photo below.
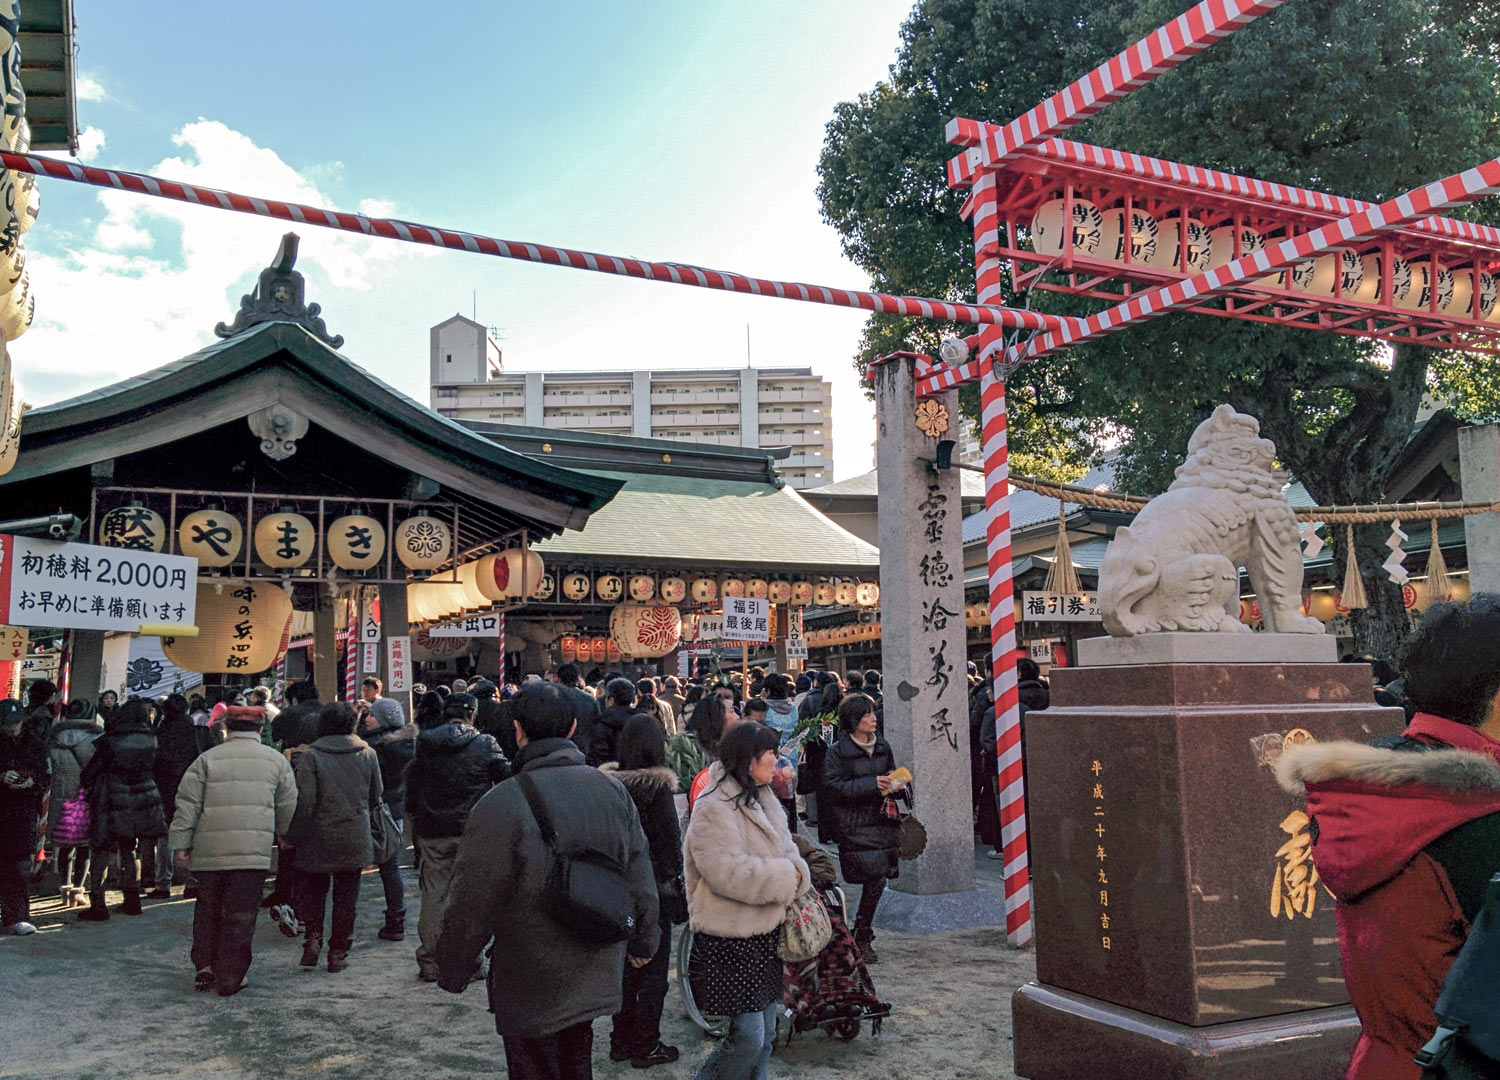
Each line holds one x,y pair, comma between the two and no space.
448,359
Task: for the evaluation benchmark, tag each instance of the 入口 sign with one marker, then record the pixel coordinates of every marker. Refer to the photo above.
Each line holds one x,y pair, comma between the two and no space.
87,587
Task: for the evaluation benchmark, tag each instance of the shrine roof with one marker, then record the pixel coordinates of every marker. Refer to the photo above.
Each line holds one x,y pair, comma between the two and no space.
284,362
866,485
682,520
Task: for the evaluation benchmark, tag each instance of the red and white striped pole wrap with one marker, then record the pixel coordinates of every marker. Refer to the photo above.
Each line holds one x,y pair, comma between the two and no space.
1012,793
501,671
281,668
351,664
410,232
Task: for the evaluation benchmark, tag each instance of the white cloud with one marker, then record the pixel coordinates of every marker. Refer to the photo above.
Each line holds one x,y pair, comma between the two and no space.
154,276
90,142
88,88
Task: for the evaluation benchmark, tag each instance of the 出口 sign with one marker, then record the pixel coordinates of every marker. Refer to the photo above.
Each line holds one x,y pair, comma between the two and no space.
86,587
470,626
1060,607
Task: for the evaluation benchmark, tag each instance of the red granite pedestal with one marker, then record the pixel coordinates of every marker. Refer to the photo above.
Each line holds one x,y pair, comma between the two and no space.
1180,928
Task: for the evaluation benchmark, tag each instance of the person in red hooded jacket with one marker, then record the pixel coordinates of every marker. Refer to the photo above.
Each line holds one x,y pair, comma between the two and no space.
1406,833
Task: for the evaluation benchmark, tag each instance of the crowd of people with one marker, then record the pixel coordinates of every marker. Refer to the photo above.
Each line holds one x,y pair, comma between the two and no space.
146,796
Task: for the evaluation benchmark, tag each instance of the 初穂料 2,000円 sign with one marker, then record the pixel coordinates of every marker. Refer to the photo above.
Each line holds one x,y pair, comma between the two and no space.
86,587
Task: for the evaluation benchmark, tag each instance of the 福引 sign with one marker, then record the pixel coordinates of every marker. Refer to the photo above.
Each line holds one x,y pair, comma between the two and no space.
480,626
86,587
1059,607
747,619
398,664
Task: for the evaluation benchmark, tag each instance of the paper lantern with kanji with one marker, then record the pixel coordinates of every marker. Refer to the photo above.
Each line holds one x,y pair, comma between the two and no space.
285,540
523,570
598,650
824,594
576,586
545,588
844,593
423,603
867,594
757,589
705,591
642,588
802,593
780,592
136,527
356,542
1048,228
423,542
674,590
609,587
568,649
214,537
646,630
241,627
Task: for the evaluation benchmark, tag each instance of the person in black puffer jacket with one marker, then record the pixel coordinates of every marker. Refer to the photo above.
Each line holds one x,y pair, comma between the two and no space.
179,741
394,749
856,782
124,802
454,766
605,735
642,768
297,724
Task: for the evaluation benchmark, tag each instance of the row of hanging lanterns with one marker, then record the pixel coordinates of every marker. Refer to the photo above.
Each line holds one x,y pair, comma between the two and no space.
512,574
284,540
636,631
844,635
20,195
1159,245
643,588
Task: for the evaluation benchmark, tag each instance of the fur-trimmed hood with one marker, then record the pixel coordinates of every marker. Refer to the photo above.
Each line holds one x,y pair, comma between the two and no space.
1375,809
646,781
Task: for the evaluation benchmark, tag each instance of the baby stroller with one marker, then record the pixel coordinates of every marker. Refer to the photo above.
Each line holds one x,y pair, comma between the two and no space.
833,991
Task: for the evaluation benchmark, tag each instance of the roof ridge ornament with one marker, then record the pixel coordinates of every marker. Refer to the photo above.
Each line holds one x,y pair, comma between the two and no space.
279,297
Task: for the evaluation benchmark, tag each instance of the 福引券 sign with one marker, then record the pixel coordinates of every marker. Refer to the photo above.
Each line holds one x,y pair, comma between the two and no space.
480,626
87,587
1059,607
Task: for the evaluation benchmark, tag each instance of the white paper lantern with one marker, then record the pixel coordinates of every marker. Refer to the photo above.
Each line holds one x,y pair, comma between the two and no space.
285,540
423,542
1221,244
242,628
1169,246
576,586
213,536
1087,228
705,591
609,587
642,587
674,590
523,570
1144,237
356,542
136,527
645,630
545,588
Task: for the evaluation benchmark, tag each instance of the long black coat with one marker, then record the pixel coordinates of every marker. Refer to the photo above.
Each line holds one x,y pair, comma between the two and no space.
585,708
21,809
338,782
851,804
123,797
651,790
179,741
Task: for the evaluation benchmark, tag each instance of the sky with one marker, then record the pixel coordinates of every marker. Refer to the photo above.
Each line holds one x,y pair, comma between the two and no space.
669,130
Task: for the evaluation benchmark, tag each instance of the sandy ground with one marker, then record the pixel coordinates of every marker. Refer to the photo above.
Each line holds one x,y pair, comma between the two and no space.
113,1000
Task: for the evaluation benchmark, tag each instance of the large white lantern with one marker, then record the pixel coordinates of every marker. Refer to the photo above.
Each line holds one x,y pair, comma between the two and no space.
213,536
423,542
1047,228
645,630
285,540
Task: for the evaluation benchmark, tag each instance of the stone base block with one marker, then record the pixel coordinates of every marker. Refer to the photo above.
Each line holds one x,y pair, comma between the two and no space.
1065,1036
911,913
1186,648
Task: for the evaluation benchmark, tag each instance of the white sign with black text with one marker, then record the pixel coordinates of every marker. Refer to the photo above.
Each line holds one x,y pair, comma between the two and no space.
1059,607
481,626
87,587
746,619
398,664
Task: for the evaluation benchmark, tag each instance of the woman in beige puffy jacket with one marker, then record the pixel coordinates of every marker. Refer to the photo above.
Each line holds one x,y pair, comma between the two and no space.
742,870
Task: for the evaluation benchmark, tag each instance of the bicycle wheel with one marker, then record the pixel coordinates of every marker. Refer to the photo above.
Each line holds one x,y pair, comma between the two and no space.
716,1026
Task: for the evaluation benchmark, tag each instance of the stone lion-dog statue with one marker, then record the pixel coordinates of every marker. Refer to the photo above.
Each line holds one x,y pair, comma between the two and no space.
1176,567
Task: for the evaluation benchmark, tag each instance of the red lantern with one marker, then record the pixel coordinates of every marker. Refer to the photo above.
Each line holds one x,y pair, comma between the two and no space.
599,649
612,651
1408,596
569,649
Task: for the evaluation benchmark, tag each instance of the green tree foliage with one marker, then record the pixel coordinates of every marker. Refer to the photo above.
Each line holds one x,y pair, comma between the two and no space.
1366,98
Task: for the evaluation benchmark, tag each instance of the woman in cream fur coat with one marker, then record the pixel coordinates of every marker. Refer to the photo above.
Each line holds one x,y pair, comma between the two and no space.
742,870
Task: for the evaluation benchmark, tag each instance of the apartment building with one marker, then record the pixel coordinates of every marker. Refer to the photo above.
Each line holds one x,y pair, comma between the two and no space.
754,407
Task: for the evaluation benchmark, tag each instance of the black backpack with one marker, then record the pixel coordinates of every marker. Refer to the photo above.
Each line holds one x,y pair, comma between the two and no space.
590,893
1466,1045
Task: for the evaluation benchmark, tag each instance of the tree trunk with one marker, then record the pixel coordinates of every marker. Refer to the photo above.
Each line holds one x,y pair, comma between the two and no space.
1380,628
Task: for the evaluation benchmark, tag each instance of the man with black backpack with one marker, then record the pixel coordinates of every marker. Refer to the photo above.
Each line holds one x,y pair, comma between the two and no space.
554,866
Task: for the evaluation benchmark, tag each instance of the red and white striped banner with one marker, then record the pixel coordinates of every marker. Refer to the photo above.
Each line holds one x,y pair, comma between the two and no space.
1157,52
394,229
502,651
1012,794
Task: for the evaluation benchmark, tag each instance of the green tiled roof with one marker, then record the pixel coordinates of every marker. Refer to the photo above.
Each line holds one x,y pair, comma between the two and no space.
689,520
